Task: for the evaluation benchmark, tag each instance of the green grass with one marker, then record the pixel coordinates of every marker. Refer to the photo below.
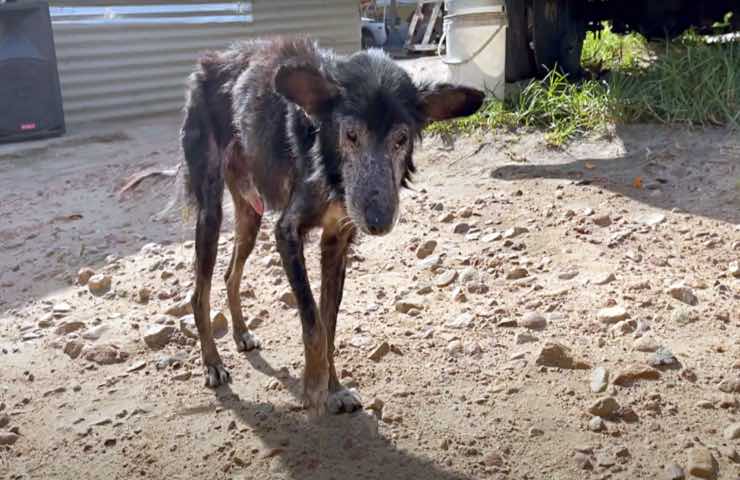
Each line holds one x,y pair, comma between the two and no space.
686,81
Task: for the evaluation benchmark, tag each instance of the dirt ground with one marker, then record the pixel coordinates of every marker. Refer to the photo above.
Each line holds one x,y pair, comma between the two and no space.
612,248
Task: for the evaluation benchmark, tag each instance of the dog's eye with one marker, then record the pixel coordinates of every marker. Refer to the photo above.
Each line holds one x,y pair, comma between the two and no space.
401,141
351,135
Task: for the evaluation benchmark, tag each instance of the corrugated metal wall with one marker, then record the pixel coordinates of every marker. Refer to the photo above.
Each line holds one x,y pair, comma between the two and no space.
122,69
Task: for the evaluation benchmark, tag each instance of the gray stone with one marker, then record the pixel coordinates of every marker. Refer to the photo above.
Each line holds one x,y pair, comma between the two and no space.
701,463
645,344
604,407
426,249
188,326
522,338
180,309
8,438
104,355
732,431
516,273
684,293
445,278
95,333
461,228
99,284
464,320
599,379
533,321
157,336
596,424
612,314
604,278
674,471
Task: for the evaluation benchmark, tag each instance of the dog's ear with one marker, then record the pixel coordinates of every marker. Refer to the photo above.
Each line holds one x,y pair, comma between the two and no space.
444,101
305,86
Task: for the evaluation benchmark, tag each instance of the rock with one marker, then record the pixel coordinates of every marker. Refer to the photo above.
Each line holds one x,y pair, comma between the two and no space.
157,336
99,284
430,263
181,308
554,354
445,278
729,453
182,376
732,431
568,275
645,344
379,352
583,461
469,275
663,358
701,463
516,273
143,295
730,385
674,471
455,347
612,314
404,306
684,293
536,432
602,220
493,459
69,327
426,249
287,298
604,278
219,325
136,366
652,219
515,232
623,328
461,228
522,338
604,407
188,326
104,355
8,438
4,420
446,217
635,372
73,348
596,424
533,321
734,269
599,379
61,309
473,349
464,320
95,333
84,275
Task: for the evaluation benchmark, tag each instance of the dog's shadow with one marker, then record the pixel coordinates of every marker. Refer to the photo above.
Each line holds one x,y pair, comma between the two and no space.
331,446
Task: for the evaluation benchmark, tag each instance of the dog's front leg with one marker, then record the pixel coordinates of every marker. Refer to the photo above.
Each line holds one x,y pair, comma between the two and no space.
316,374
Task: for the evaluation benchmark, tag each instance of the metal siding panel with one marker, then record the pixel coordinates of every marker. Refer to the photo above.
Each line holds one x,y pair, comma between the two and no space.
111,72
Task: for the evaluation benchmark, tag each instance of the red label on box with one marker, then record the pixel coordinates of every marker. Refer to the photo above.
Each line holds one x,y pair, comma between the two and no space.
28,126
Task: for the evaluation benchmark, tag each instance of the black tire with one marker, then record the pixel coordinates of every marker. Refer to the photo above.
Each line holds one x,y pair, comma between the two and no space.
558,34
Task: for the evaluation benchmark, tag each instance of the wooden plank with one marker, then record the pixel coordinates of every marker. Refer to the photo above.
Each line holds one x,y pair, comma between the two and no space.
432,23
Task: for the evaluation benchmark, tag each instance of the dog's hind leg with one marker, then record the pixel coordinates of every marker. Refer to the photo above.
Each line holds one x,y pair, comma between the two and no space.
335,242
246,227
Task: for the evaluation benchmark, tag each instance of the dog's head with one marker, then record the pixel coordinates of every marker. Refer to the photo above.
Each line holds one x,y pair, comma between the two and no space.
369,113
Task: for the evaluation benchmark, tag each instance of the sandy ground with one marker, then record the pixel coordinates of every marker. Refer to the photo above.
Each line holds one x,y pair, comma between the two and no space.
610,248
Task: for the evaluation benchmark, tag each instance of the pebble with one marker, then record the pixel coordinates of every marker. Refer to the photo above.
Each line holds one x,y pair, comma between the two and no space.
602,220
445,278
446,217
674,471
730,385
95,333
554,354
84,275
219,325
430,263
4,420
611,314
464,320
596,424
604,407
604,278
455,346
652,219
493,459
188,326
734,269
426,249
181,308
69,327
599,379
99,284
623,328
536,432
533,321
287,298
379,352
73,348
732,431
61,309
645,344
516,273
684,293
105,355
143,295
515,232
8,438
701,463
663,358
469,275
635,372
461,228
406,305
182,376
583,461
157,336
522,338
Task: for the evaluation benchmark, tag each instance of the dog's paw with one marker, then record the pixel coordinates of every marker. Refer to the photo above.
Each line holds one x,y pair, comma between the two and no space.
247,341
346,400
217,375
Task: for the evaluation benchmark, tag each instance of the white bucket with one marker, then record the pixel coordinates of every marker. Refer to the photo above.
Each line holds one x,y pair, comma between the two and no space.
475,33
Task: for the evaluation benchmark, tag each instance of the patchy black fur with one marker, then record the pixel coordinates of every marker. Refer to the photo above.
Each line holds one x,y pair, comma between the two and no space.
327,142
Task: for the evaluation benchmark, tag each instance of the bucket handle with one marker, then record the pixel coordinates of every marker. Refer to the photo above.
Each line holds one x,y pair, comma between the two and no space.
471,57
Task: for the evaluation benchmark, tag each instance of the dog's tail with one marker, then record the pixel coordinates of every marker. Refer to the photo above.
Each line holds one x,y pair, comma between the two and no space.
198,140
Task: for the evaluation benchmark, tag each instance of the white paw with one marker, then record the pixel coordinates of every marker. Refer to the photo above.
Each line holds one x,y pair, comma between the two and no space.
346,400
217,375
247,341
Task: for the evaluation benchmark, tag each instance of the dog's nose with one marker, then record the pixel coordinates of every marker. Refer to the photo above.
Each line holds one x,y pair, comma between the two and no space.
379,219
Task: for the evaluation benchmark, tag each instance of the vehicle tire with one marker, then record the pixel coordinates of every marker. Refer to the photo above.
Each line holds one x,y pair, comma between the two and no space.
520,64
368,41
558,34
